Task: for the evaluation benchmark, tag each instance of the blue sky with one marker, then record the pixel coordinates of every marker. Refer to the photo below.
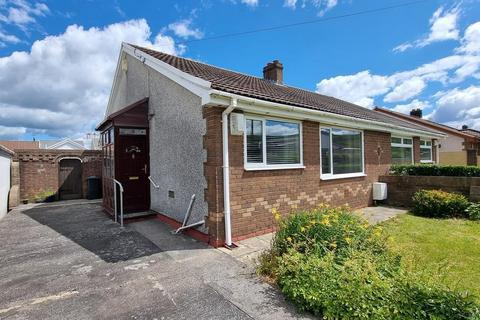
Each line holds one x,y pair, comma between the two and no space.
57,58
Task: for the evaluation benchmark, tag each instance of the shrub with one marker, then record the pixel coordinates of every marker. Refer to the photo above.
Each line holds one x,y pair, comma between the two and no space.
435,170
326,229
473,211
439,204
333,264
361,288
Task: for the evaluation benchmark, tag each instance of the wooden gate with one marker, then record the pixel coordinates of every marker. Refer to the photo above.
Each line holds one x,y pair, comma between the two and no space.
70,179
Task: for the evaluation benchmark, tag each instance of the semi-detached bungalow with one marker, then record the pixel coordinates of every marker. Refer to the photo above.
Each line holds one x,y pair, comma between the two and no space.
242,145
459,147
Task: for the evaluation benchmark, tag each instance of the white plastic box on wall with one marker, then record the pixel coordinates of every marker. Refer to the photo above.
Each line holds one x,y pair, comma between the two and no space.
379,191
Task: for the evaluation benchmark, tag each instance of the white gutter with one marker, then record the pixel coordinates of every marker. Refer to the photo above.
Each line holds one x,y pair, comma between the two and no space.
226,173
267,107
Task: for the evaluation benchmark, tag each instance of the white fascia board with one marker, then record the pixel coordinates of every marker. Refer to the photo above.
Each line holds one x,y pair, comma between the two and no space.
114,88
195,85
286,111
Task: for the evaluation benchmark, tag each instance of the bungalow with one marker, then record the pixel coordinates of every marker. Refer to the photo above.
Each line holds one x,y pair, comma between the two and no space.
459,147
241,145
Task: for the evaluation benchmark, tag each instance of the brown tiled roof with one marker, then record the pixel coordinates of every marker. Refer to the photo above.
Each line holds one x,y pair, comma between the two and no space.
472,132
421,121
16,145
259,88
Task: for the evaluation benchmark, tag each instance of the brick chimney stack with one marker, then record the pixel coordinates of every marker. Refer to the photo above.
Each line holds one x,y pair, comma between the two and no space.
273,72
416,113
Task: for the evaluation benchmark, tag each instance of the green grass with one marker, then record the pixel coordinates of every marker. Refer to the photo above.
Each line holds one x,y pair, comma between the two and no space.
449,247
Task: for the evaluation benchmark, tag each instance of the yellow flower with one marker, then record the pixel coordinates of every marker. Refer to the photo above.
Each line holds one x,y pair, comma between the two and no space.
302,229
333,245
325,222
289,239
348,239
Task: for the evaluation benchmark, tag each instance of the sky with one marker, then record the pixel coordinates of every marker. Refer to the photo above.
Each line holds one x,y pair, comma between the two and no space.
57,58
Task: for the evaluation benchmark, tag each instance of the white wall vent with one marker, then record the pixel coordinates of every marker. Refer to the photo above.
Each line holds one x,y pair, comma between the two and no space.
379,191
237,124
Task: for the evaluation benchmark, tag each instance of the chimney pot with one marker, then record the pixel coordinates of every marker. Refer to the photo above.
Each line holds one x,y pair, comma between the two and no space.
464,127
273,72
416,113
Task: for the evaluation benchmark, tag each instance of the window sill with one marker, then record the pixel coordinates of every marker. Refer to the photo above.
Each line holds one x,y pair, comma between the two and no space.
343,176
273,168
426,161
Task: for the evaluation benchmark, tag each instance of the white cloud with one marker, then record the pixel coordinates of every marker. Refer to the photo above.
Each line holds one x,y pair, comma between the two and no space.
406,90
458,106
471,40
324,5
251,3
443,26
184,30
21,12
61,86
290,4
358,88
11,133
415,104
8,38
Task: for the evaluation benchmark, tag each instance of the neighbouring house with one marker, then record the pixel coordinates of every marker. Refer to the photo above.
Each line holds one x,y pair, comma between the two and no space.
17,144
64,144
5,164
459,147
242,145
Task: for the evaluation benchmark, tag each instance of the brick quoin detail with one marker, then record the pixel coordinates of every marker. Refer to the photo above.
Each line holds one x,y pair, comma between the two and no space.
255,193
39,169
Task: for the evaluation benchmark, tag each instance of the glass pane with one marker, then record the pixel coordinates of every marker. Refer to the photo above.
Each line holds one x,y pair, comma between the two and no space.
325,151
426,154
254,141
429,143
347,151
422,142
396,140
283,142
401,155
407,141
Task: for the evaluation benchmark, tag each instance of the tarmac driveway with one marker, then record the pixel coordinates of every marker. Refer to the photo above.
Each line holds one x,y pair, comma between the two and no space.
70,261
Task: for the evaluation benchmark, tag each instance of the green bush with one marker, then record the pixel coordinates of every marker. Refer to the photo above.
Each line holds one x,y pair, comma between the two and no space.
326,229
361,288
332,263
473,211
435,170
439,204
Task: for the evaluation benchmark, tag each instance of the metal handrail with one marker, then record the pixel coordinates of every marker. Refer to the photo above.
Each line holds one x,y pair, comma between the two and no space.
156,186
115,182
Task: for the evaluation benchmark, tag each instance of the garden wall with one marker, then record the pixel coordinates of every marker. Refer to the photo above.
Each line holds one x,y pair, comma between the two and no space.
39,169
402,188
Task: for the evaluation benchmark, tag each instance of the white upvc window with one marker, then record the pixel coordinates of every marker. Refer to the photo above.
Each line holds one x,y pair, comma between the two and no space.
341,153
426,151
402,150
272,143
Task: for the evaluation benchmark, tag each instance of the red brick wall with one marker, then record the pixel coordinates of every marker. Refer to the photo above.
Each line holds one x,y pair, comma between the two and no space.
39,169
255,193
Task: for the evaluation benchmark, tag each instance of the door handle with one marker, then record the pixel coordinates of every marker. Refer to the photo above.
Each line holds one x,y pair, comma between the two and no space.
145,169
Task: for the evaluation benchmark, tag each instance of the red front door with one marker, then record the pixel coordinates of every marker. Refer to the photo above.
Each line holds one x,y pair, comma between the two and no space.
132,160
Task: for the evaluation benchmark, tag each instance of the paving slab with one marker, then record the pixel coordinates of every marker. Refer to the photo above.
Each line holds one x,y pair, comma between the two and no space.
379,214
71,261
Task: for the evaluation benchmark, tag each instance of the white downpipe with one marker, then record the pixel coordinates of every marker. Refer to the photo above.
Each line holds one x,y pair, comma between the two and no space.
226,172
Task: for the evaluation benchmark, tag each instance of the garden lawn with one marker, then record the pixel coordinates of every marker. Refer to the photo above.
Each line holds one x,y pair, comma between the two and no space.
430,245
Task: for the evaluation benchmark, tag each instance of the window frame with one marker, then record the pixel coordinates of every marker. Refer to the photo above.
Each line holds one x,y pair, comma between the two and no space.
263,165
403,145
425,146
331,175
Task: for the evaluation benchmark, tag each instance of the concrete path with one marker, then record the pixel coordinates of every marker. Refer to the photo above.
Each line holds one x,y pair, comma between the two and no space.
64,261
379,214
